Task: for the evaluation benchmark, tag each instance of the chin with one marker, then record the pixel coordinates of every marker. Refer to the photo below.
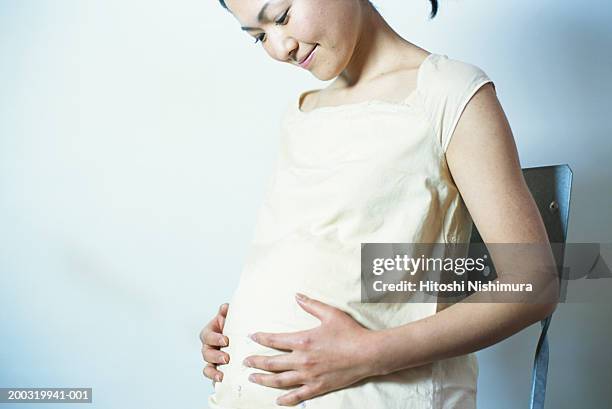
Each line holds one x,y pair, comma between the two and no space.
325,74
333,69
325,77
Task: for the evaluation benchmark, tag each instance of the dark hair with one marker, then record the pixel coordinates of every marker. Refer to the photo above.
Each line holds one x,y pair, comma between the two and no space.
434,7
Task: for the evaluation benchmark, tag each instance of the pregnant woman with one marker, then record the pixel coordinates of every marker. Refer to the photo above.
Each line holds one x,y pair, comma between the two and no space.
403,146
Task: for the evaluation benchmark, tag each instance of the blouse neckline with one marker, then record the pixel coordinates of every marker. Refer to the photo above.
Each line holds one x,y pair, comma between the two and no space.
367,102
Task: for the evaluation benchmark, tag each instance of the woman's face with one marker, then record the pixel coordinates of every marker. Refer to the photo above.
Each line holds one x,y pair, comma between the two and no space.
325,31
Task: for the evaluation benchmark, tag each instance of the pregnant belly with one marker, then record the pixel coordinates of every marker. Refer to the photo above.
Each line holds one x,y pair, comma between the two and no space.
252,310
265,302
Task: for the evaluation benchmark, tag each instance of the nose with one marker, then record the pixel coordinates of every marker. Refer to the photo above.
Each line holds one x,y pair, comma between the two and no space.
282,47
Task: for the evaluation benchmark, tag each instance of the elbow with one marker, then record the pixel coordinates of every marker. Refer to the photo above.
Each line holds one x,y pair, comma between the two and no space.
543,311
547,300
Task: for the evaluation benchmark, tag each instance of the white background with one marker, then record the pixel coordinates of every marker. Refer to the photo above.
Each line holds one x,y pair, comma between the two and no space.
136,138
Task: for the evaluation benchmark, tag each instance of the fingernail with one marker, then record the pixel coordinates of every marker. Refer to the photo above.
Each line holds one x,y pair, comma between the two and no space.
300,296
246,363
253,337
218,377
223,342
252,378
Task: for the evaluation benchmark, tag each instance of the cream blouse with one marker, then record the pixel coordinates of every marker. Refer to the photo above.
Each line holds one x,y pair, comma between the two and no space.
369,172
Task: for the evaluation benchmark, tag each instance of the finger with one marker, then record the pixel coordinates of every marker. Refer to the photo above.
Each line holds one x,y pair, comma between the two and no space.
212,328
213,373
275,363
294,397
220,318
215,339
314,307
214,356
286,341
204,331
281,380
223,309
221,322
213,325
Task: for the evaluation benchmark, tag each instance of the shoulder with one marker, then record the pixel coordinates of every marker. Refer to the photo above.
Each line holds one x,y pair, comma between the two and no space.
446,87
444,75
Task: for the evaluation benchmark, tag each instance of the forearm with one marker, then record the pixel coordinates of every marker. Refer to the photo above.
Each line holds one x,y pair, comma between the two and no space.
457,330
478,321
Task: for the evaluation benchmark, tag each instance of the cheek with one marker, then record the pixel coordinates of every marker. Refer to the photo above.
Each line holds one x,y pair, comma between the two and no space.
337,51
306,23
329,23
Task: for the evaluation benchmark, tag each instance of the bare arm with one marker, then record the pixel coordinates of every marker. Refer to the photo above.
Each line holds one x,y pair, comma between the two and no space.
484,163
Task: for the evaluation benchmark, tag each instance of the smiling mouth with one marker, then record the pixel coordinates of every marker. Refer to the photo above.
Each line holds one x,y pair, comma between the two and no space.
307,59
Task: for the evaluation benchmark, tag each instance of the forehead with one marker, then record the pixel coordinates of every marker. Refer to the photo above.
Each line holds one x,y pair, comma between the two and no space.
253,11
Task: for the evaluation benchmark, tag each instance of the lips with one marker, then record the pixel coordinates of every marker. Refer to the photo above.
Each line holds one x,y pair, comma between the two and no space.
304,61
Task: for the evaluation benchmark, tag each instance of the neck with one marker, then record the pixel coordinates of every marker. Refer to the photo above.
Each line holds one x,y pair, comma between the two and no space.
379,49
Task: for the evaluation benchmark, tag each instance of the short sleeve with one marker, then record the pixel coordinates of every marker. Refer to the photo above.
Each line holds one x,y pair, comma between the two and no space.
447,85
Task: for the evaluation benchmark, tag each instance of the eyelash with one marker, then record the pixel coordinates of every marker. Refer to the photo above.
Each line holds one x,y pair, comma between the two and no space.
282,21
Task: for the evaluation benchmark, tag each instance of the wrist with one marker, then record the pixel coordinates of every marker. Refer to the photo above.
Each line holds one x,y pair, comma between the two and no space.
384,356
375,353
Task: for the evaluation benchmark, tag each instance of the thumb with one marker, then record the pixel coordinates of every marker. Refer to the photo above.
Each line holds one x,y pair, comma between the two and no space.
314,307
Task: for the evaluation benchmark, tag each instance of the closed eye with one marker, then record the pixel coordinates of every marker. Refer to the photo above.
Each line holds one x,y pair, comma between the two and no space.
260,37
282,20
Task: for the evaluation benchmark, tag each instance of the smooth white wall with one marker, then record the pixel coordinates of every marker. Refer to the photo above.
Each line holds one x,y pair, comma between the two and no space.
136,138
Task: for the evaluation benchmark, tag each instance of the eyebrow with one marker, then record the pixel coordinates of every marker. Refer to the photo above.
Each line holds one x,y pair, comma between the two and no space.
261,17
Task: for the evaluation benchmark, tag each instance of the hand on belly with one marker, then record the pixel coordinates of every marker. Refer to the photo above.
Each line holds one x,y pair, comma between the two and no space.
331,356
